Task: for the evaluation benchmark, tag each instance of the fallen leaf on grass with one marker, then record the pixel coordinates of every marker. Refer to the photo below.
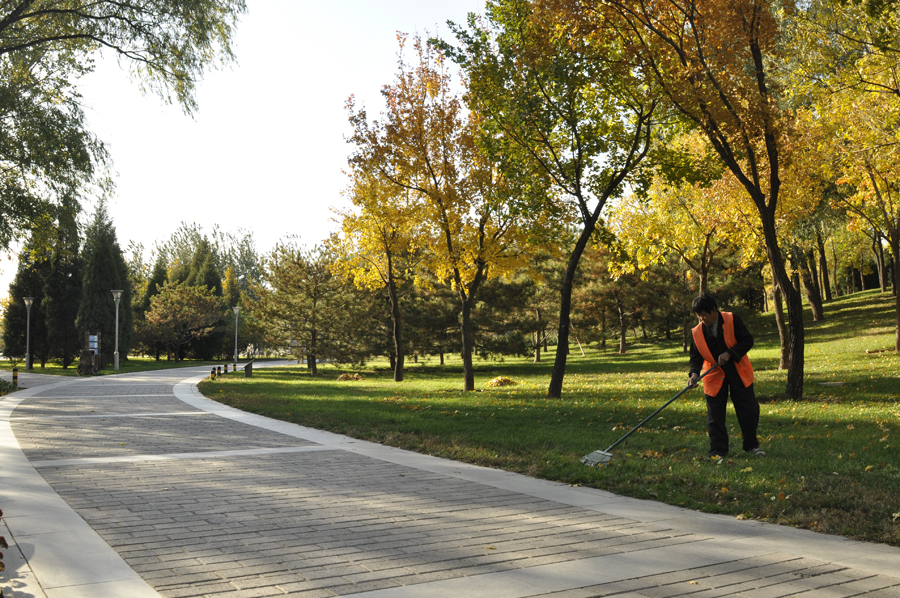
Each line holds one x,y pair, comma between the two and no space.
650,454
747,470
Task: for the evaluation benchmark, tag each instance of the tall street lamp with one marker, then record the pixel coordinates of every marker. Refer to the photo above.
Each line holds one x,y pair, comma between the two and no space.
237,310
28,301
117,295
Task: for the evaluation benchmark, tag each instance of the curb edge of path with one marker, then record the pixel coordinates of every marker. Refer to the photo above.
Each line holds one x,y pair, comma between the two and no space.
53,552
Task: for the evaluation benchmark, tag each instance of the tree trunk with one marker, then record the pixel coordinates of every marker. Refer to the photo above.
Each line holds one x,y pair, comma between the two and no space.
537,351
795,281
810,256
467,299
812,293
397,327
312,354
393,359
878,250
466,332
623,325
796,338
893,276
895,266
782,327
565,307
837,292
603,329
823,266
686,333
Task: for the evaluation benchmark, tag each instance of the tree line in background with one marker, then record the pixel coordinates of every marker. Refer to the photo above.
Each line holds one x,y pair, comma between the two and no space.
593,167
342,302
50,162
177,304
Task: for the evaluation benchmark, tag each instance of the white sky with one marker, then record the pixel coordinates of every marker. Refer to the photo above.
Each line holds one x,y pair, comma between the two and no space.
266,148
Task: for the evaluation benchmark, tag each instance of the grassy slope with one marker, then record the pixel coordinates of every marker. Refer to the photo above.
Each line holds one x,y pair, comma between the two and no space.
833,464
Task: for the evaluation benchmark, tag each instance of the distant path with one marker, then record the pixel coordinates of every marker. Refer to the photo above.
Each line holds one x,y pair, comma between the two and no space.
134,486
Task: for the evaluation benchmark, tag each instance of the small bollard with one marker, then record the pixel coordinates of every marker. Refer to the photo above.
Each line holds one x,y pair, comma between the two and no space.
226,368
248,370
15,377
218,370
212,374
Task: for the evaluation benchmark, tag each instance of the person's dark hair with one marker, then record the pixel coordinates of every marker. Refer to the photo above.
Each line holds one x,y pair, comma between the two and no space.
704,303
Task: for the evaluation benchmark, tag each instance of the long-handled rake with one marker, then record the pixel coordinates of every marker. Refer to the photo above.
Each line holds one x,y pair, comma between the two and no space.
602,457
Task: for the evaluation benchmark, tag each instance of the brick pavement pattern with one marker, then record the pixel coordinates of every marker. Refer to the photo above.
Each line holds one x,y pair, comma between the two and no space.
204,506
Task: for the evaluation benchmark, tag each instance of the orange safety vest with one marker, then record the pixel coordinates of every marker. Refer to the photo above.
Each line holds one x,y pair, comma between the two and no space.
712,383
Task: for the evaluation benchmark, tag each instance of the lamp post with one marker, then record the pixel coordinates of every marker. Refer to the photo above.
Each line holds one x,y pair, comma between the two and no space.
117,295
237,310
28,301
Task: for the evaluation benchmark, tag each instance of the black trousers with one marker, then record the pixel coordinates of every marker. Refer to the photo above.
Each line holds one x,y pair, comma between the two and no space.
745,406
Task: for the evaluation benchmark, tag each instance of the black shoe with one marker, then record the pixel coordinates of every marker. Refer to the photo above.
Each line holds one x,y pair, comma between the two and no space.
758,452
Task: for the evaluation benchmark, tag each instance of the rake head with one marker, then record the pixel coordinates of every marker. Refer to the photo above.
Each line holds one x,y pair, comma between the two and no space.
596,458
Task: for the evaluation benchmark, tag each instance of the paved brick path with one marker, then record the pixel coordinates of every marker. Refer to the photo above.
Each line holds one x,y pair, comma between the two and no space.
202,500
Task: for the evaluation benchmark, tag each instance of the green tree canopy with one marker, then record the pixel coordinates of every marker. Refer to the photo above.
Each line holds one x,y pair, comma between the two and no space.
62,290
181,313
582,120
46,150
168,43
104,271
28,282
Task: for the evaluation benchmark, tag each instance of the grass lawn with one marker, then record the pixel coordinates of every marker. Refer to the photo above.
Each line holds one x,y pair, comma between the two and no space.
833,461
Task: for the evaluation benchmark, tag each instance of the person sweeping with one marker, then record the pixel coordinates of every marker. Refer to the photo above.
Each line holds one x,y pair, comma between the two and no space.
722,338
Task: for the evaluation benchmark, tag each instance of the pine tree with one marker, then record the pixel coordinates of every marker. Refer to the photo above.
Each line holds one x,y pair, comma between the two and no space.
105,269
204,273
28,282
62,290
158,278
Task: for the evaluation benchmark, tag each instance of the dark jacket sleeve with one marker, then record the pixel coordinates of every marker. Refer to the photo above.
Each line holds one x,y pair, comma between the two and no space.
743,337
